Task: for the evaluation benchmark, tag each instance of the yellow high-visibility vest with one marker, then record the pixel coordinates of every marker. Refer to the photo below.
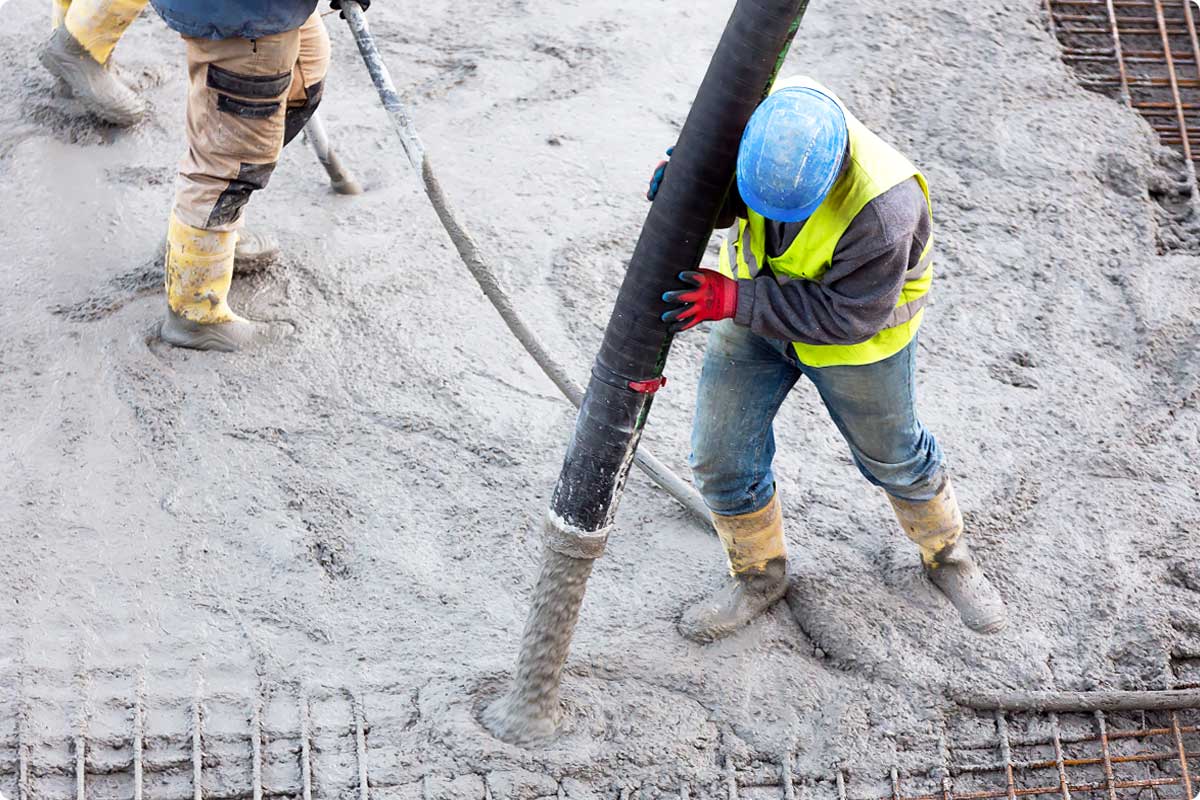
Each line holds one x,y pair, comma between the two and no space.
874,167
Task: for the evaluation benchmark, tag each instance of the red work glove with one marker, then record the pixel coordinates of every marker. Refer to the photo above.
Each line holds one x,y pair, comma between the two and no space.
714,297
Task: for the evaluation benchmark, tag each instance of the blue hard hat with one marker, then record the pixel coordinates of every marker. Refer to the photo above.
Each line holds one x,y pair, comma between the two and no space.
791,153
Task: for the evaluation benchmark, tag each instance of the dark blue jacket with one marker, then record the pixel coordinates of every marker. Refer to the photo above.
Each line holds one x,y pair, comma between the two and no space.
225,19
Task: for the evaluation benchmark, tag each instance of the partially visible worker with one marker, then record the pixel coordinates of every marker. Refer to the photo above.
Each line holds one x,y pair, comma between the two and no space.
79,54
79,50
257,71
828,278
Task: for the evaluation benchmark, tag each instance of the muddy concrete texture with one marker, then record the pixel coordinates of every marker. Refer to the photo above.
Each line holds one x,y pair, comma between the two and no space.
352,516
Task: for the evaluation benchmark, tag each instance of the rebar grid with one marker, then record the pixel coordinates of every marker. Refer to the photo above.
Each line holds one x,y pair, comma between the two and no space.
1159,760
1035,755
1145,53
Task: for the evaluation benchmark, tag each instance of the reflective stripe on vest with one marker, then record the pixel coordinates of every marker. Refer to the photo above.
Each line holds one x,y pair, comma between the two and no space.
752,267
906,312
874,168
919,270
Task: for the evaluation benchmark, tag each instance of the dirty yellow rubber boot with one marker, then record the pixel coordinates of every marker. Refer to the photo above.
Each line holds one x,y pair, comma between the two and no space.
99,24
199,270
78,51
255,251
757,557
937,527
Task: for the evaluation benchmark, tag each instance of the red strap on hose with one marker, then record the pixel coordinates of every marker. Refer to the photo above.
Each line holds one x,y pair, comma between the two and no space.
650,386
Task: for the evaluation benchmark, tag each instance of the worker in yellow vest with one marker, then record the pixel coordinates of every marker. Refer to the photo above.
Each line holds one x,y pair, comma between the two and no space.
827,278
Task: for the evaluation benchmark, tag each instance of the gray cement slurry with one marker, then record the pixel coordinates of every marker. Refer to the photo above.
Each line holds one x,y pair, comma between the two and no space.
528,712
358,508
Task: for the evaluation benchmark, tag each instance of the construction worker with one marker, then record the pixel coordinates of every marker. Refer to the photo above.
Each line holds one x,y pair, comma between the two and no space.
79,54
827,278
78,51
256,71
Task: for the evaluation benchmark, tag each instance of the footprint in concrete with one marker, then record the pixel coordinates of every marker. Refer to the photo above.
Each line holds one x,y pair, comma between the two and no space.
1016,370
115,293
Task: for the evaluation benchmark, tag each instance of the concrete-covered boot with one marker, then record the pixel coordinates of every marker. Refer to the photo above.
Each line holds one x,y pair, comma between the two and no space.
199,271
936,526
90,81
757,557
255,250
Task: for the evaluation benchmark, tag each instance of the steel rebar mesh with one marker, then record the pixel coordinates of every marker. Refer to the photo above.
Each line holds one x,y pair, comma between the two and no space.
1144,755
307,744
1144,53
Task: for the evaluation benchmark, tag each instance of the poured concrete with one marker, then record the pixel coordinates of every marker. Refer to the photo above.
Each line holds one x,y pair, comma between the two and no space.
355,512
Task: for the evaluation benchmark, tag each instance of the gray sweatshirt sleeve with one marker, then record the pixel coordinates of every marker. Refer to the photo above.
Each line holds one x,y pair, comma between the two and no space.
859,291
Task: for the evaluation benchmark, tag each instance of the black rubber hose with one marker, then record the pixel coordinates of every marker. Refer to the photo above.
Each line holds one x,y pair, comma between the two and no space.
673,238
681,219
635,347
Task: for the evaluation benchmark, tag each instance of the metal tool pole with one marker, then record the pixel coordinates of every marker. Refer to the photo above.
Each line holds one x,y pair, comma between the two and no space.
340,178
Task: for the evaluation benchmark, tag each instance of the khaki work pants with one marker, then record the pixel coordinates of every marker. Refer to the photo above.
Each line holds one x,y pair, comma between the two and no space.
246,100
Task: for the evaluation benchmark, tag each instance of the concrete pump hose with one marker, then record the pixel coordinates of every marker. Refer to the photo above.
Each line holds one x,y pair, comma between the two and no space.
483,273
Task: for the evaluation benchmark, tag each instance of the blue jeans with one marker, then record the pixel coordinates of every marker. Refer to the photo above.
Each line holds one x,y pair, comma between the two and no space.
743,383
